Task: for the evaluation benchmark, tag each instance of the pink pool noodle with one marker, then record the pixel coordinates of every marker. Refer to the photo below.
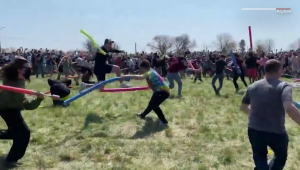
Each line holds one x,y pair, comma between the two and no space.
125,89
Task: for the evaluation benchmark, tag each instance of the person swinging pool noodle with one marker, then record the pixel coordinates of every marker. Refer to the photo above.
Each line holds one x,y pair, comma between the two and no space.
96,86
238,69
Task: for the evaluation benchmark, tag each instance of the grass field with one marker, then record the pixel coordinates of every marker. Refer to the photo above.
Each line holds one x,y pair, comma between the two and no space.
205,132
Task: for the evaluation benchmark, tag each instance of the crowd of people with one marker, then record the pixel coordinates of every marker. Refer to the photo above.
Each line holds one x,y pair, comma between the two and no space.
203,64
160,72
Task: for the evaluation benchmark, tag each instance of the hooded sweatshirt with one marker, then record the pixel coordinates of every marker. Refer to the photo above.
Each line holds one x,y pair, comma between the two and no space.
13,100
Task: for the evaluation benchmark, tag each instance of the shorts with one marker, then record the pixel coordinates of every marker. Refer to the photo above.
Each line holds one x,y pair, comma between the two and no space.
102,71
252,72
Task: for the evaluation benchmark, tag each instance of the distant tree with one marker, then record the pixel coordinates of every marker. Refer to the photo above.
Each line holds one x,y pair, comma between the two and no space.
260,47
89,46
117,46
225,43
12,49
183,43
242,46
161,43
269,45
295,45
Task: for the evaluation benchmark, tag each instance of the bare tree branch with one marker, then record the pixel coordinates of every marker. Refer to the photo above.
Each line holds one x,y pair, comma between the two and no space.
89,46
269,44
161,43
117,46
183,43
260,47
225,43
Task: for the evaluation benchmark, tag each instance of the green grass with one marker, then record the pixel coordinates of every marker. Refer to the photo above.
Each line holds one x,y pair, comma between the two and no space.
205,132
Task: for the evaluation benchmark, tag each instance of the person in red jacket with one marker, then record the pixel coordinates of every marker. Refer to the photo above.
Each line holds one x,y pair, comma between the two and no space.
176,65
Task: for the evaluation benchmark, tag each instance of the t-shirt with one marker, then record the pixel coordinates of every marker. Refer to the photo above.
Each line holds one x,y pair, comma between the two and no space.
220,66
130,63
80,61
266,99
49,61
156,82
263,61
251,63
207,64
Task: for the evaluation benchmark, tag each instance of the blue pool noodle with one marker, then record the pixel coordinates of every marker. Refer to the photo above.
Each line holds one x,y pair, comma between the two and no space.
297,104
238,69
96,86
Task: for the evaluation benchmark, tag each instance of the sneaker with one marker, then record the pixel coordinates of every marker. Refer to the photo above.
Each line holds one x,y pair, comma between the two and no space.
82,86
123,85
163,123
140,116
10,163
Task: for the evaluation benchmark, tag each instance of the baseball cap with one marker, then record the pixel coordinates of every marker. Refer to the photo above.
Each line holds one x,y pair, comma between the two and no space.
108,41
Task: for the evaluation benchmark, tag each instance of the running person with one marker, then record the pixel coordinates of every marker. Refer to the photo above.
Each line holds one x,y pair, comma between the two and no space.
101,67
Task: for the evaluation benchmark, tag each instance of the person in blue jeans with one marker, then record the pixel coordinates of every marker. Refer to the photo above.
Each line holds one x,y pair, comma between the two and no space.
176,65
39,65
265,103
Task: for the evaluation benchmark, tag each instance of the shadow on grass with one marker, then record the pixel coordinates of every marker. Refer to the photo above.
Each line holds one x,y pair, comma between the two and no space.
91,118
172,96
150,127
226,96
240,93
5,166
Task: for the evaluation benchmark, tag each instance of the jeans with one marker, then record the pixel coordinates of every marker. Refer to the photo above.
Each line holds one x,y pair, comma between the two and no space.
17,131
39,70
277,142
236,77
175,76
219,77
261,72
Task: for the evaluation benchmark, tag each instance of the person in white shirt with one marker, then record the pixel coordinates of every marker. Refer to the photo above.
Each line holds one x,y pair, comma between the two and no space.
80,61
29,59
131,65
6,58
294,64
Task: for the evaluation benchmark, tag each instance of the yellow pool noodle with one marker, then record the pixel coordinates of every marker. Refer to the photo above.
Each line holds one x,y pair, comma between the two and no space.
92,41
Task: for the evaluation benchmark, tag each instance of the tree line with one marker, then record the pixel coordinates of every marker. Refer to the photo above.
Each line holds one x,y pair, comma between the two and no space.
223,43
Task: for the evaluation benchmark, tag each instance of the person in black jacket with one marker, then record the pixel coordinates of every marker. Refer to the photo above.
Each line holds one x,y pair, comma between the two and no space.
101,67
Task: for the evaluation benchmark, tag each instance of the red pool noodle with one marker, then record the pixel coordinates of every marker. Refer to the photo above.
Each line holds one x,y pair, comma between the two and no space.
250,37
22,91
297,80
125,89
17,90
191,65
